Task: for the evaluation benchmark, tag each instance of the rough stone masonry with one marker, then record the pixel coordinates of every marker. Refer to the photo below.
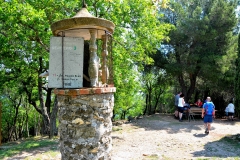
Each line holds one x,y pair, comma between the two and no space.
85,126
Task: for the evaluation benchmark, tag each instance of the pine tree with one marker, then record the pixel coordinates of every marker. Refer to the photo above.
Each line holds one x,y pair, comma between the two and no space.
237,81
203,44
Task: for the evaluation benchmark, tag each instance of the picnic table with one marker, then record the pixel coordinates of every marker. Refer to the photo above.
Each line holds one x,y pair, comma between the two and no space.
194,111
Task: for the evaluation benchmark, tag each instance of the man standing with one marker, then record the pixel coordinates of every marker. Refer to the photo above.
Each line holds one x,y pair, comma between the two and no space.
208,113
230,109
176,103
181,104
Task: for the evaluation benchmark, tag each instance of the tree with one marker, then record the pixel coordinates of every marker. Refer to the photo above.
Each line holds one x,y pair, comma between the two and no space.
25,34
137,36
237,81
202,47
12,117
156,82
24,41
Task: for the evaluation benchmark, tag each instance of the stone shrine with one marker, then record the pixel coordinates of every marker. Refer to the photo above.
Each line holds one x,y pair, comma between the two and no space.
81,72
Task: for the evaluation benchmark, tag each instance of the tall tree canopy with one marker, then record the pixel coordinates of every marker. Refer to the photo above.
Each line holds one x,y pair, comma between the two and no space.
137,36
202,47
237,81
24,41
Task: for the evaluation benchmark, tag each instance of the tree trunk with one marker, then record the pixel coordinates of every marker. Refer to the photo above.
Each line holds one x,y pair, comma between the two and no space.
27,129
123,115
11,133
146,105
188,92
20,130
149,104
45,116
37,125
44,108
157,98
149,99
0,123
237,82
53,128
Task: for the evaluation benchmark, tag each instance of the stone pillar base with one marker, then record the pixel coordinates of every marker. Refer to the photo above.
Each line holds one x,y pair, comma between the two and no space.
85,123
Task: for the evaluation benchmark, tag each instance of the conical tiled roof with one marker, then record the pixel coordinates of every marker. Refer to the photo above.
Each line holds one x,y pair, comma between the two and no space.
78,25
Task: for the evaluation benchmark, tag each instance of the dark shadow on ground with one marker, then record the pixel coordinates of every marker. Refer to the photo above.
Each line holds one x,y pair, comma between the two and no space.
199,135
219,148
33,152
166,121
212,149
116,137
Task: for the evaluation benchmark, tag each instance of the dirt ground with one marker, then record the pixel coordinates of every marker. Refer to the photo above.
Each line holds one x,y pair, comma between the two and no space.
161,137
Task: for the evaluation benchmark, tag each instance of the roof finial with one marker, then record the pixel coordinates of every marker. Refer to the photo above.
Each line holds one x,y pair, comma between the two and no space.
84,4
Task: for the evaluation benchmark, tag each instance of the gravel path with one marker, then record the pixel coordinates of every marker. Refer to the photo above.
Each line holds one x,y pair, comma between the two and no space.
163,137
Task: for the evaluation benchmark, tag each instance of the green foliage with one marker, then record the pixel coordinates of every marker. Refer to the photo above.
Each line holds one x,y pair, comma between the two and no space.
202,47
138,29
167,100
137,34
127,99
16,112
25,34
25,39
156,84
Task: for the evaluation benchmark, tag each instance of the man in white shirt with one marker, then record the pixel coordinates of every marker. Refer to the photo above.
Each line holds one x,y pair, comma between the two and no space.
176,103
230,109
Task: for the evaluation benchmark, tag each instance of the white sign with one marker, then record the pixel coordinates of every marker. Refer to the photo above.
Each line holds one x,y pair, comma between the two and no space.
66,62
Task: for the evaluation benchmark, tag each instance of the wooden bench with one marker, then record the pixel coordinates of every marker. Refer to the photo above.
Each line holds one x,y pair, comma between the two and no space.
194,111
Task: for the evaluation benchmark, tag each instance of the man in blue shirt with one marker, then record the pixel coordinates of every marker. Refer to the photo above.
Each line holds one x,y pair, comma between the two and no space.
208,113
